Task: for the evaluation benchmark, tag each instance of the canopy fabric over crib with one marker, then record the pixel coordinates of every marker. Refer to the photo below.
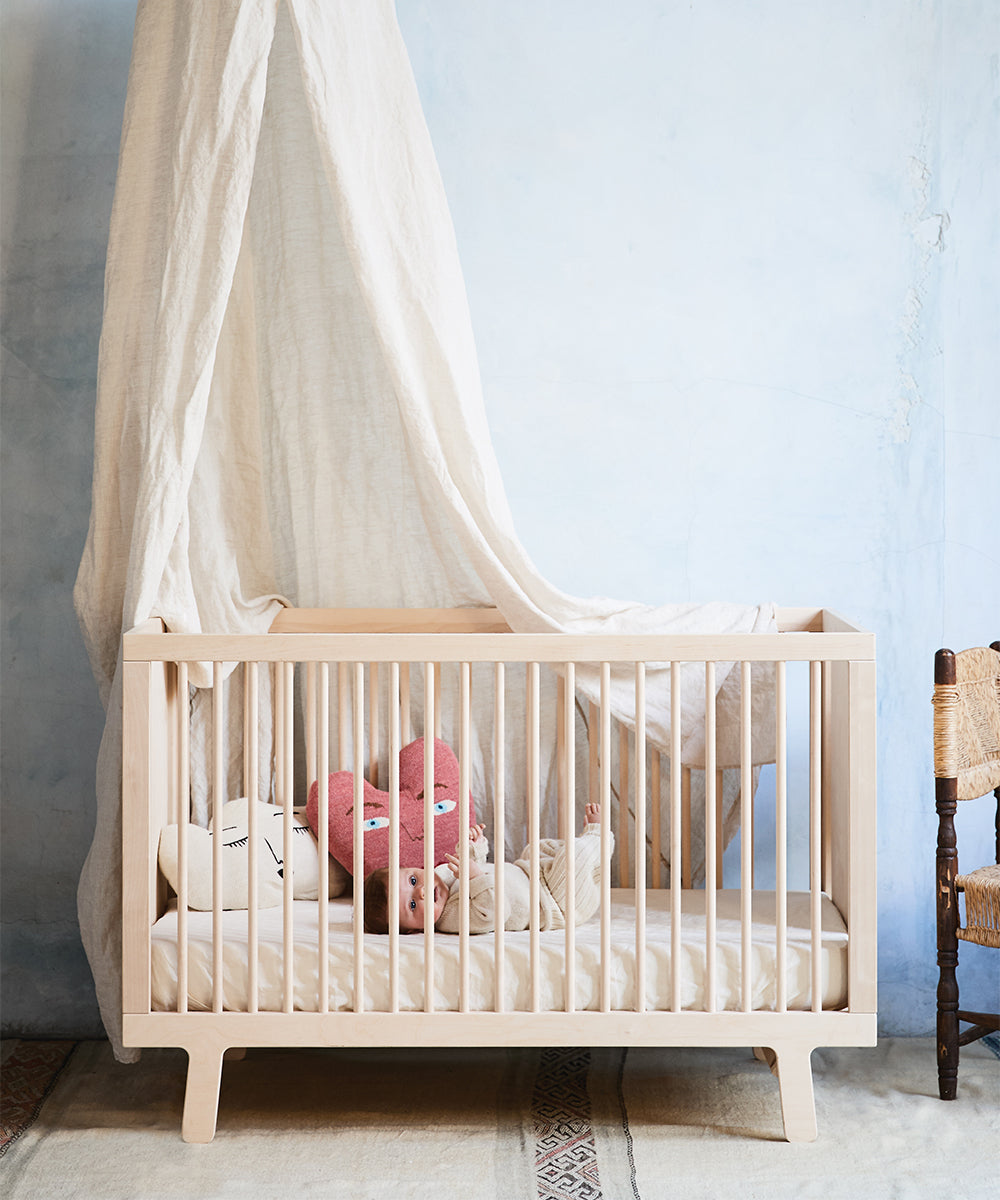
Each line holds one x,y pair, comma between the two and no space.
289,407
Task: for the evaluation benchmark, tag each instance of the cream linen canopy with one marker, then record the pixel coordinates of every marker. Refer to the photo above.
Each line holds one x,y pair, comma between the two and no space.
289,406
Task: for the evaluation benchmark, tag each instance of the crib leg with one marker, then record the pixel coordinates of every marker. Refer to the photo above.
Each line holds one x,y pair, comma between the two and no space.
793,1069
201,1097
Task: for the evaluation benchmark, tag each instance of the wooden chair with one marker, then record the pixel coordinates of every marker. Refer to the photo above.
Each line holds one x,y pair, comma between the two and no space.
966,767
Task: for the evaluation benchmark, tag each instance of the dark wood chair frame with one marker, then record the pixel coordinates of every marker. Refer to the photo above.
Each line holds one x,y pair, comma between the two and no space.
949,1015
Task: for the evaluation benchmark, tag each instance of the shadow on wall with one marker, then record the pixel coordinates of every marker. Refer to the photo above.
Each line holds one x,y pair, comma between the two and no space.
65,70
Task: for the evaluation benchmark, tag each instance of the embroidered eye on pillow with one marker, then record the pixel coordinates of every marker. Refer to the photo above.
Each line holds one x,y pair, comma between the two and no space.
340,798
270,858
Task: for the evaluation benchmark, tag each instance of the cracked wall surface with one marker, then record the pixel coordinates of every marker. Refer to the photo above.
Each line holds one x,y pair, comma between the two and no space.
732,271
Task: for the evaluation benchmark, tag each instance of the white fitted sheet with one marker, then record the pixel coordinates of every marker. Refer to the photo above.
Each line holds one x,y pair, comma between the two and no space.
517,959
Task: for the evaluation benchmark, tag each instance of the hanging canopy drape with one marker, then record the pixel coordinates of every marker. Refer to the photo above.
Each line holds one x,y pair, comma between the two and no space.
289,406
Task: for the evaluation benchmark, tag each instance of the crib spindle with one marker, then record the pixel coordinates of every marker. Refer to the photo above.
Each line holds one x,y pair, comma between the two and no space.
781,839
640,837
676,838
430,718
251,778
711,817
534,832
322,710
605,775
815,831
288,791
359,837
499,832
656,847
183,817
218,799
394,748
569,825
464,754
746,836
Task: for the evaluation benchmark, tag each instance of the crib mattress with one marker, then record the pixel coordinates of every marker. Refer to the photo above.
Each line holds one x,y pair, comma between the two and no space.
517,960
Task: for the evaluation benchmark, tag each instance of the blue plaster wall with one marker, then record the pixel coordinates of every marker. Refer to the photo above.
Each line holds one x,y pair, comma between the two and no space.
732,270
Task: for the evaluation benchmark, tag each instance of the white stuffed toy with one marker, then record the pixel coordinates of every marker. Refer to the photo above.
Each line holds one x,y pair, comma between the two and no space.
235,858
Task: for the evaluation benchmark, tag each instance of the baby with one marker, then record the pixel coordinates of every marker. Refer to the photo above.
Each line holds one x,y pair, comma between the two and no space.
445,892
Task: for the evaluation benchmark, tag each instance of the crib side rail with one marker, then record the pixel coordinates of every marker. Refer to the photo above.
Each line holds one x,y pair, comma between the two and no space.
149,697
849,788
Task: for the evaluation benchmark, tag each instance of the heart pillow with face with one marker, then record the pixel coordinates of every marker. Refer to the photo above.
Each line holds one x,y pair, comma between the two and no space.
270,858
340,798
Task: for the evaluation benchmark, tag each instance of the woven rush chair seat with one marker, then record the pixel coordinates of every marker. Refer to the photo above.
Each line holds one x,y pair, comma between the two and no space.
966,767
982,906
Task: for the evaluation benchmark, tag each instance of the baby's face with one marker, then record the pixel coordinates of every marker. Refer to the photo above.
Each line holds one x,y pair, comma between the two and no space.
412,896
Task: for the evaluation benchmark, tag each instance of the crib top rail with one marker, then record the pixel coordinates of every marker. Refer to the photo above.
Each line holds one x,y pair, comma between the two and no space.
481,635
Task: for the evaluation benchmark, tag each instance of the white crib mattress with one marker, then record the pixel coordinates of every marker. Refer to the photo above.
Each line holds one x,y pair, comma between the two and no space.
517,959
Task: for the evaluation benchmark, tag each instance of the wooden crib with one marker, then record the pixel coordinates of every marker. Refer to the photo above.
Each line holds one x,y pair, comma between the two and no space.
768,941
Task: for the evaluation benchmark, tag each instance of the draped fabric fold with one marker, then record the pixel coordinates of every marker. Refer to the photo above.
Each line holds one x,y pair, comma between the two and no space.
289,406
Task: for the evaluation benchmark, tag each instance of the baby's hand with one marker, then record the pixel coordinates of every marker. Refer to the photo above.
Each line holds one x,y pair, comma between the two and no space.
476,832
592,814
475,870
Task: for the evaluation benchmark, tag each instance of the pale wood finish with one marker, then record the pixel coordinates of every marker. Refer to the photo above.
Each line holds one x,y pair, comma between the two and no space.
841,838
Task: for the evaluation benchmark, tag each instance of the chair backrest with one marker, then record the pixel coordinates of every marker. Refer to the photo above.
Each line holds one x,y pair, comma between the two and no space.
967,719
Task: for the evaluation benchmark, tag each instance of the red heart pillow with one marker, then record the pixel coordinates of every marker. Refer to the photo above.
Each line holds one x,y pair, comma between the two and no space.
411,811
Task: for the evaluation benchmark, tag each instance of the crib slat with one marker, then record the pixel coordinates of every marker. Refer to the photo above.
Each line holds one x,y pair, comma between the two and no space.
605,767
251,769
359,836
218,799
288,771
656,848
781,839
534,833
711,862
499,828
430,707
746,836
676,851
640,837
720,846
465,687
569,825
184,816
322,708
394,748
815,831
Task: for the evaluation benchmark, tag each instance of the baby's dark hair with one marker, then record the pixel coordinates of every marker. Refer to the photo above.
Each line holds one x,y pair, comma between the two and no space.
377,901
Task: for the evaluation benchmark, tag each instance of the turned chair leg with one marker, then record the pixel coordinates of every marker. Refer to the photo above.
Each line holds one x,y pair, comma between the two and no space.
201,1096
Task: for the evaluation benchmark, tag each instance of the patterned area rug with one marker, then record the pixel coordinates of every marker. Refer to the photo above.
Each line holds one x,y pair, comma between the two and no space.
495,1124
28,1073
566,1160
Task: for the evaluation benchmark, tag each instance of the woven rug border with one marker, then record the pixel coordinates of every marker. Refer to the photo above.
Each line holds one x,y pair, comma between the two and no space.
28,1084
